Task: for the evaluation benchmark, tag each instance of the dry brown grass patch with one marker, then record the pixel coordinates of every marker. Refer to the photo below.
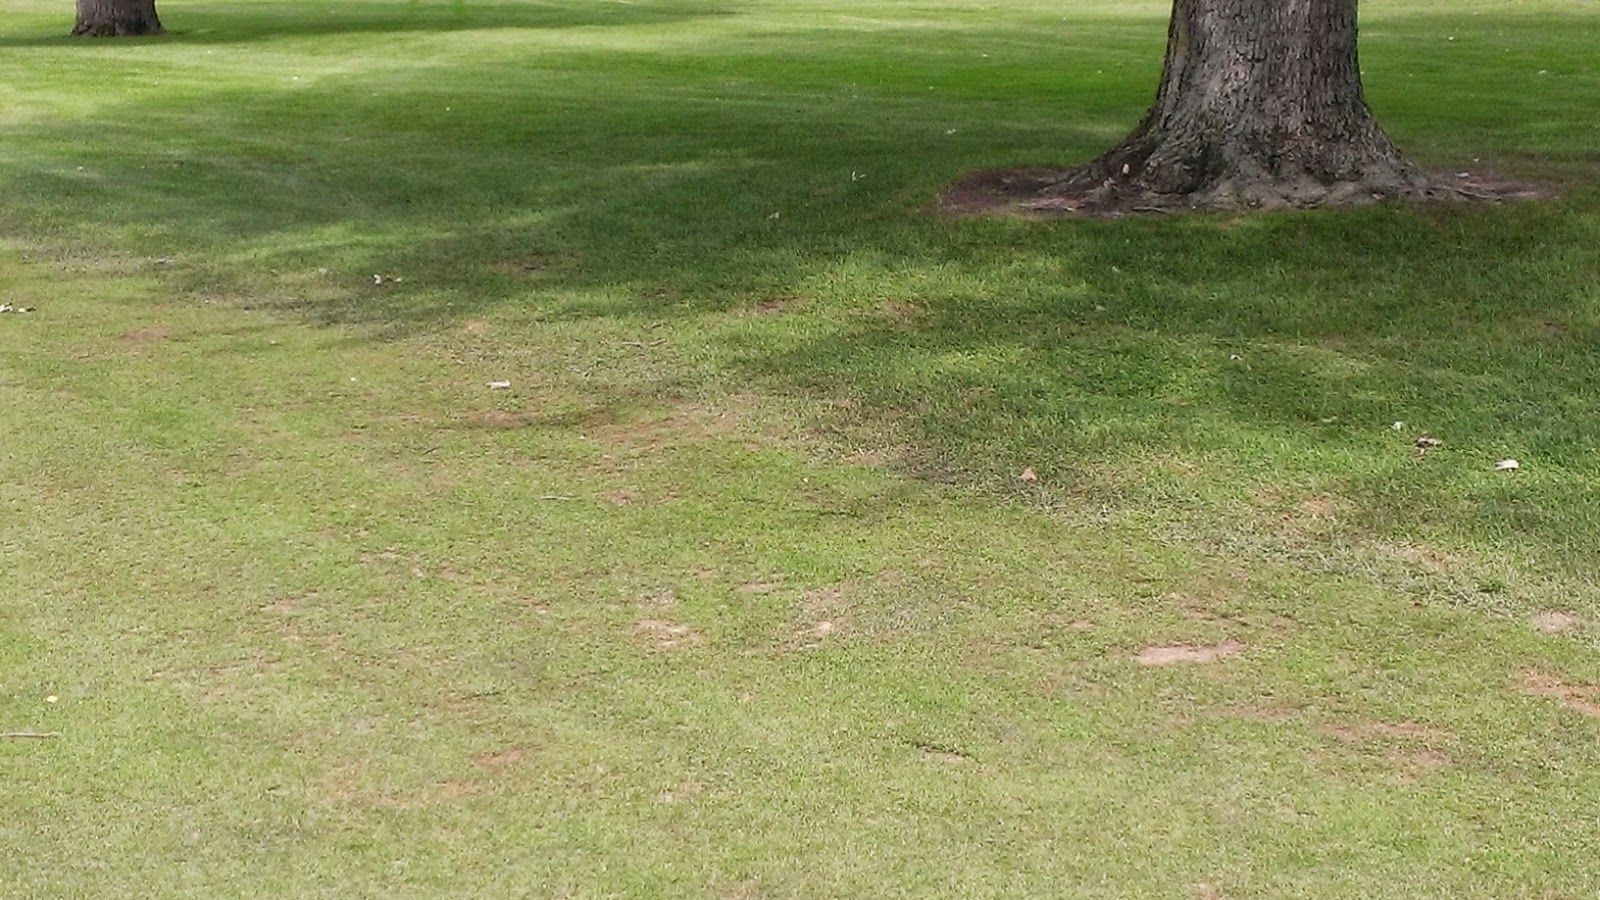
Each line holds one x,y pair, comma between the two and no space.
1580,698
150,334
1411,750
663,634
778,305
823,614
1555,622
499,759
355,783
676,424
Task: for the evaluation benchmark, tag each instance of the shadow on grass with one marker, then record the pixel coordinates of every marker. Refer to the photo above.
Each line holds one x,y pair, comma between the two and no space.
780,231
250,22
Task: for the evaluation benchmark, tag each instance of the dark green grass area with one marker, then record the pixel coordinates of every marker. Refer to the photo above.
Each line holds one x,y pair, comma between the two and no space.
737,591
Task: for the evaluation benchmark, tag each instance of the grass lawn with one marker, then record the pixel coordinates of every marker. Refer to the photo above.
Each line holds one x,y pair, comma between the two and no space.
736,590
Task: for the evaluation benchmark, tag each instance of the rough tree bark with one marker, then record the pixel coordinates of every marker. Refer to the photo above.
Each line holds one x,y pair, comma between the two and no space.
1260,106
116,18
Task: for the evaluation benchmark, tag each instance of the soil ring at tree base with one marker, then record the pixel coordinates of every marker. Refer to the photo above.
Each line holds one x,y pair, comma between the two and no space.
1037,192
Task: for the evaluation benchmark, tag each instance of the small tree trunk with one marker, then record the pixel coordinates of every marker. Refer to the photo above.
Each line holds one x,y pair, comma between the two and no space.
1260,105
116,18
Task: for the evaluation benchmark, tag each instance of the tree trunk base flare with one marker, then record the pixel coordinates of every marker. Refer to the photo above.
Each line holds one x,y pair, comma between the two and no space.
1087,192
117,28
1260,106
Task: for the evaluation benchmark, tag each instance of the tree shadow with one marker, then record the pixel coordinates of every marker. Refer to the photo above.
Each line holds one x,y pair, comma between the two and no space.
773,217
254,22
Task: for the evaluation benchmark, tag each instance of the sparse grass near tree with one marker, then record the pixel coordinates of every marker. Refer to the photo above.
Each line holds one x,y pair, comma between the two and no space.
736,590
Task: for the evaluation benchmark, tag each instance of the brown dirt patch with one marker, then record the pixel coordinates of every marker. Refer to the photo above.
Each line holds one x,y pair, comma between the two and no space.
1554,622
677,424
777,306
101,264
1430,560
1302,515
500,759
1178,654
898,312
1415,765
661,634
823,614
1361,732
1581,698
1033,193
885,457
1320,506
1413,751
150,334
665,598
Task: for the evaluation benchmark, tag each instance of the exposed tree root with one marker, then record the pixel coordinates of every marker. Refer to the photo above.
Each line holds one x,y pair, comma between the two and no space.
118,26
1091,191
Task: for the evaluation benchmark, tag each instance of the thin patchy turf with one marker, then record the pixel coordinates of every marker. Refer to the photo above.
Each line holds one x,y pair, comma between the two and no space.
736,591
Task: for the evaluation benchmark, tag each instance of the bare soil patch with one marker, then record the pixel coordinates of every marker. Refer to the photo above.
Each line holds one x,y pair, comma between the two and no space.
777,306
1362,732
661,634
1039,192
665,598
150,334
1413,751
1320,506
1554,622
679,423
823,613
898,312
500,759
1581,698
1178,654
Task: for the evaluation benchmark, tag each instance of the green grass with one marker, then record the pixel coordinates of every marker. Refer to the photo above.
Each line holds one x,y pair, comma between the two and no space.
736,592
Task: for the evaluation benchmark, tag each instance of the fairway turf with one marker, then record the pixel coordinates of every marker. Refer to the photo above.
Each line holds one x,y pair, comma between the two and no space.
737,590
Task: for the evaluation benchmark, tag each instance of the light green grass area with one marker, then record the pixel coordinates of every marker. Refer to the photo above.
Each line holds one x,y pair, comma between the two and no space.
736,591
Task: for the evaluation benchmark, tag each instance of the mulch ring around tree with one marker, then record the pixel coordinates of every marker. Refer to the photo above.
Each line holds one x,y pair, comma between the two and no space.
1039,192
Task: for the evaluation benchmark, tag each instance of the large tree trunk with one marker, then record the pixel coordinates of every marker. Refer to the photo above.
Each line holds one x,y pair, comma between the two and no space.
1260,105
116,18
